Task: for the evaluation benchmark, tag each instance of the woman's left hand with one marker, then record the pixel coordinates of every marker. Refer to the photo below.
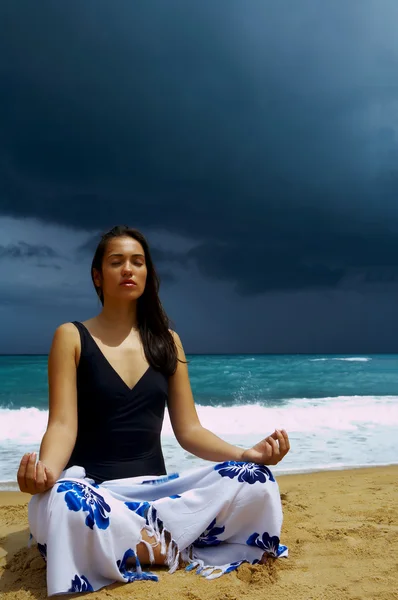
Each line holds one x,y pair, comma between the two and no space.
270,450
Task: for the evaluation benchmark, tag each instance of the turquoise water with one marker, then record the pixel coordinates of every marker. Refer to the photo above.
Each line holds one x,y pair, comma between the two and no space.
339,411
219,380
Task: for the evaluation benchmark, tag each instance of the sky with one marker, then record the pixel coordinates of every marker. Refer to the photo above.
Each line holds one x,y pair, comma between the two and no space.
254,144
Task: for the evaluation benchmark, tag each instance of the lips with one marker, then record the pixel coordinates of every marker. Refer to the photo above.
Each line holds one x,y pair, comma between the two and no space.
129,283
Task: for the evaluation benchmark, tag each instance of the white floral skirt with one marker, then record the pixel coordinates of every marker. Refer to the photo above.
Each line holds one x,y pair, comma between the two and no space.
217,517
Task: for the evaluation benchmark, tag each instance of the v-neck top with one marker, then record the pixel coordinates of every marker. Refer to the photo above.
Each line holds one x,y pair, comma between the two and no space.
119,428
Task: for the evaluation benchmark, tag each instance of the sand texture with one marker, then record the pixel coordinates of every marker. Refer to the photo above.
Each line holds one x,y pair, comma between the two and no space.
341,528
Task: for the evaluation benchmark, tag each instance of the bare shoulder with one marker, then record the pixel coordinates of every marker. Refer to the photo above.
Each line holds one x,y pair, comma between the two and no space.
175,337
67,331
177,341
180,349
67,336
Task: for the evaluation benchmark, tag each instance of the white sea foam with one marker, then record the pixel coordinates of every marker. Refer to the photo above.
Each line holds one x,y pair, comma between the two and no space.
337,432
350,359
344,413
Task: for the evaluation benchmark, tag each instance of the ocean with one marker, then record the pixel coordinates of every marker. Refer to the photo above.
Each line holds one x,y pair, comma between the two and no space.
339,411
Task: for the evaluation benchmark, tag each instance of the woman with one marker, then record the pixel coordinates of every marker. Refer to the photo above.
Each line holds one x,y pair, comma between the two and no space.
102,503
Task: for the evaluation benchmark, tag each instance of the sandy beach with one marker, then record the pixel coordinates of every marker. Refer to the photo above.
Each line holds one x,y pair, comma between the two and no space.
341,528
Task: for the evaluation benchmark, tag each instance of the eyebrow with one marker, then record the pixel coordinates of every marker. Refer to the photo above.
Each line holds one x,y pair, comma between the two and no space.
119,254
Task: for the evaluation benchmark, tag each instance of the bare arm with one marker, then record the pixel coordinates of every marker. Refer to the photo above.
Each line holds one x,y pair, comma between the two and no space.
185,421
203,443
59,439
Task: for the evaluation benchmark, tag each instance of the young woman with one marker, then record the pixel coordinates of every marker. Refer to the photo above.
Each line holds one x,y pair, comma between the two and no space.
102,503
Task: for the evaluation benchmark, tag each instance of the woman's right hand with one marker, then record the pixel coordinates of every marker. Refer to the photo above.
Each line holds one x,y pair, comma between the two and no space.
34,478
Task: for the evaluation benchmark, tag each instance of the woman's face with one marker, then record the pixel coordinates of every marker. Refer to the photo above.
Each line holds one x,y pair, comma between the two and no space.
124,270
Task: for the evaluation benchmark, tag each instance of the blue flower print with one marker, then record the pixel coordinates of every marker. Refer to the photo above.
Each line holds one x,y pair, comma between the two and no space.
233,566
121,564
266,542
81,497
164,479
281,550
141,508
175,496
42,548
80,584
134,574
245,472
209,536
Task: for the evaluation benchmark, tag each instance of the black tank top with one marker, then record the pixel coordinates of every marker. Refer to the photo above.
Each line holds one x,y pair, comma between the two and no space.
118,427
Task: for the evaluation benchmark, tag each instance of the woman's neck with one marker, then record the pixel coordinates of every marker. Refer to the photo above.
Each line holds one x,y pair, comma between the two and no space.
121,316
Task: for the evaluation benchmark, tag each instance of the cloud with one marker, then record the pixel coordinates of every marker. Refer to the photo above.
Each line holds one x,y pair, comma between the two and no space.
159,255
163,258
54,264
24,250
265,136
209,313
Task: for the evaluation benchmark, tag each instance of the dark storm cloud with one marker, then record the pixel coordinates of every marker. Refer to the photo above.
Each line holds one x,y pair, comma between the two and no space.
158,255
24,250
56,267
42,298
265,131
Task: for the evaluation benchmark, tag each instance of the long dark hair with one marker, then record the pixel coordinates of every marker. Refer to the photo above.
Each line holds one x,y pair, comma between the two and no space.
153,323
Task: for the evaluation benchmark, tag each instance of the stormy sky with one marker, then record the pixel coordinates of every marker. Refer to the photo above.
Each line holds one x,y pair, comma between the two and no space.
254,144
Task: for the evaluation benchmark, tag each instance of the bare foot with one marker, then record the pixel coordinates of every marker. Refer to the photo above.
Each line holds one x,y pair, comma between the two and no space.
143,553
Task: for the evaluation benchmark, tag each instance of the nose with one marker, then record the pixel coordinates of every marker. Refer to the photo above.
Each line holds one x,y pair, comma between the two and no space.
127,268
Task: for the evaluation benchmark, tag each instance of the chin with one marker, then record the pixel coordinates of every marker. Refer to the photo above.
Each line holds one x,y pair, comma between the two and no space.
131,294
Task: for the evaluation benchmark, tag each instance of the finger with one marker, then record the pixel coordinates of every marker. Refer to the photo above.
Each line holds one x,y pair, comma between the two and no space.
283,439
50,477
30,474
281,442
286,438
40,483
271,458
266,449
274,445
22,471
274,435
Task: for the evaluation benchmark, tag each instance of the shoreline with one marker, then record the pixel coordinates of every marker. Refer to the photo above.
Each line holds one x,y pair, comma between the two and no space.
340,526
12,486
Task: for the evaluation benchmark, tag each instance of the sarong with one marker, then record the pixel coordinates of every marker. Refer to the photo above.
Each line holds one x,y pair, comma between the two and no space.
212,519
